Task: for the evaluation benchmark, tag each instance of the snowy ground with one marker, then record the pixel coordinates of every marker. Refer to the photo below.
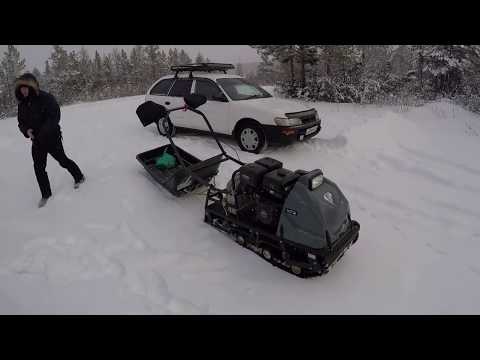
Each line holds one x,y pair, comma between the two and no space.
120,244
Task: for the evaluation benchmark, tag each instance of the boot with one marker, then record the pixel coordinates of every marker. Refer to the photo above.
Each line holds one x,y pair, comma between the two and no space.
42,202
77,183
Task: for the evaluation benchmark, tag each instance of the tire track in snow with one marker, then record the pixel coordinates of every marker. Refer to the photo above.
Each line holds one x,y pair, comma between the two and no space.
453,208
143,277
63,260
94,253
431,158
395,204
426,174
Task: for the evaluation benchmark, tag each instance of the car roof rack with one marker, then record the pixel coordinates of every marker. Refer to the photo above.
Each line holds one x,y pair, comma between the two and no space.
206,67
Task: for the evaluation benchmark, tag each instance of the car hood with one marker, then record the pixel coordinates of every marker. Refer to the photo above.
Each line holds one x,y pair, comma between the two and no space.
277,106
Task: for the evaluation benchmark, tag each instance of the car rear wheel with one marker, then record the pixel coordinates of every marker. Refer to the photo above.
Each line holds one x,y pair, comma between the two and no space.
251,138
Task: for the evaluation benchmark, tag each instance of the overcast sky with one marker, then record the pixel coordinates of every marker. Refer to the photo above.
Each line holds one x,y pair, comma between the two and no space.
35,55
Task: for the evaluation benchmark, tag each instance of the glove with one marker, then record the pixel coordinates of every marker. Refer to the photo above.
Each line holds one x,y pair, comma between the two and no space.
30,134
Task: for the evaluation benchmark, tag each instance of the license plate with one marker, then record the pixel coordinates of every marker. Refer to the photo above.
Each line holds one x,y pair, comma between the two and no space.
311,130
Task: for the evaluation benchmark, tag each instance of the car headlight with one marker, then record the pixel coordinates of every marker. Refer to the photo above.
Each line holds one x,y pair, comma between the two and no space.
280,121
316,181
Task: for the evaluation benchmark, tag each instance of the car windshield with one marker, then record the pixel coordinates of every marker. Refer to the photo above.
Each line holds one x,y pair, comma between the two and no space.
240,89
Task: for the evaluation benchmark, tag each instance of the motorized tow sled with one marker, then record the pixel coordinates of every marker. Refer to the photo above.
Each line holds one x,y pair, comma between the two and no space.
297,220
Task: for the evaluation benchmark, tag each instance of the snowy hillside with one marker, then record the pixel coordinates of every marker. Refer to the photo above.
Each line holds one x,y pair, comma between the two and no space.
120,244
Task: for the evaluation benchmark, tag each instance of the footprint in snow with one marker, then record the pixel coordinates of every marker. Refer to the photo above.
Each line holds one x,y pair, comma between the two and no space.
250,291
474,269
103,227
127,205
63,197
374,164
440,252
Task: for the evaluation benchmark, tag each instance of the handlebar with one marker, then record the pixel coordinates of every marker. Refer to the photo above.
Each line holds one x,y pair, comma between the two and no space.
185,108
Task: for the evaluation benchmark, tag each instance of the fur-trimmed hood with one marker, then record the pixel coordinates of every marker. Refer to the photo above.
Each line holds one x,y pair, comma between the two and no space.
29,81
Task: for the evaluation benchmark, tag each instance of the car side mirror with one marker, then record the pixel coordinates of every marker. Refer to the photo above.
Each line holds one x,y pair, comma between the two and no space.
220,97
195,100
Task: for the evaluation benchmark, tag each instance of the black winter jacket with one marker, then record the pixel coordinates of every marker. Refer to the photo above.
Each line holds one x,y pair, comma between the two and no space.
41,113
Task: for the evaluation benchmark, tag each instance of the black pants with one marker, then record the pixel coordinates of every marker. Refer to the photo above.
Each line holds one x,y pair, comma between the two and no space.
55,149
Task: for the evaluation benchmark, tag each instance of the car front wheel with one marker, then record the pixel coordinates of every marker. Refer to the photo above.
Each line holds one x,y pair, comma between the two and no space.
251,138
164,128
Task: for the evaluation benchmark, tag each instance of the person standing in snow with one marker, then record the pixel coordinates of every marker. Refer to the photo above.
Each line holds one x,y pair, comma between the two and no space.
38,120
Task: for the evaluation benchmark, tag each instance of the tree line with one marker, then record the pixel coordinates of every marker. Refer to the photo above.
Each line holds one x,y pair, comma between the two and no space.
76,76
373,73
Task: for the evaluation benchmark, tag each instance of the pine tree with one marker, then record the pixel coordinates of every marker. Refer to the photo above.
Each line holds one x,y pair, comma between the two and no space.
317,72
3,94
85,77
12,65
59,61
266,73
199,58
470,96
305,55
176,59
151,59
446,67
284,54
170,58
73,86
418,63
173,57
97,76
239,69
163,66
37,74
401,59
138,67
120,73
125,71
183,58
117,75
47,76
342,62
107,76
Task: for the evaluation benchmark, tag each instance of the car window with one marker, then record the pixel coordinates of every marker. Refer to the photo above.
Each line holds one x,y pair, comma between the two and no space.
240,89
247,90
207,88
181,87
162,87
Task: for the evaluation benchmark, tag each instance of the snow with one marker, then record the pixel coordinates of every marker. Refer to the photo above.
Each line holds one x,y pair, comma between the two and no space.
123,245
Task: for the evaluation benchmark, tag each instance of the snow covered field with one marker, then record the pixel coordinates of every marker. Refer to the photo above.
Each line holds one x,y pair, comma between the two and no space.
122,245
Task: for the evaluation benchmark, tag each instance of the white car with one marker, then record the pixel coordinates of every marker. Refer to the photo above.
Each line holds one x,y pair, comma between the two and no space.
234,107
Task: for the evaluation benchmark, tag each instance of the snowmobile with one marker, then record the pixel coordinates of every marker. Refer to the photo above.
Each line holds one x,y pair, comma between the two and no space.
297,220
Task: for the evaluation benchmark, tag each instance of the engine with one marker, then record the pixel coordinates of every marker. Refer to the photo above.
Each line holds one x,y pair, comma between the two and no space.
258,191
267,213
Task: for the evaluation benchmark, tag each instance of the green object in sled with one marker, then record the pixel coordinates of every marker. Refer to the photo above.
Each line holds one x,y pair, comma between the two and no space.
166,161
